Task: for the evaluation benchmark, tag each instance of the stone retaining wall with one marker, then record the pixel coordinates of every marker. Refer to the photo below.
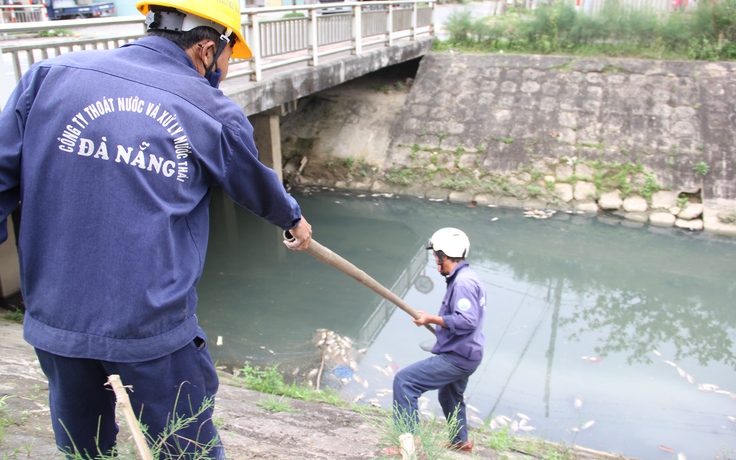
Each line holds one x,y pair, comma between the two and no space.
650,141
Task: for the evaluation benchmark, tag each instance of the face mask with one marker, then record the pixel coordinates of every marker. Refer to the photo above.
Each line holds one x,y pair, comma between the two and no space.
213,77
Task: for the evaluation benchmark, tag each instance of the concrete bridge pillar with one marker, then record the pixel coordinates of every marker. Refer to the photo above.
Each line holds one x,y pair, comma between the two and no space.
267,134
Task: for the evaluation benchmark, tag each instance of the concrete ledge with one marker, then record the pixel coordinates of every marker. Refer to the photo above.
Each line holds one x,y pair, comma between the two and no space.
256,97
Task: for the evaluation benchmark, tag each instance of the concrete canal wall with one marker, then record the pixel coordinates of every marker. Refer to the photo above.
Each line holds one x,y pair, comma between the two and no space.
647,142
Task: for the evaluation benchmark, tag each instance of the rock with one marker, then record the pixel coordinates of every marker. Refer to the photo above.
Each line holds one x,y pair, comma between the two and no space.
534,203
664,199
675,210
637,216
564,192
484,199
509,202
694,225
585,191
587,206
713,225
691,211
635,204
563,172
436,193
611,200
662,219
583,171
460,197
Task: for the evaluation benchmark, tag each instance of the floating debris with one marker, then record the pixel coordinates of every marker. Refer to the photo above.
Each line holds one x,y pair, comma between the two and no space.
707,387
477,420
436,199
219,341
539,213
578,402
587,425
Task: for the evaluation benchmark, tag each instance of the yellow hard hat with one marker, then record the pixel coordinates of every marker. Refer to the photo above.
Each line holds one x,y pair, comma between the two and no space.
225,13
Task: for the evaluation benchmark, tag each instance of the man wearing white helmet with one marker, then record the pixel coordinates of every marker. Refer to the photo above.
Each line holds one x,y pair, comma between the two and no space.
113,155
459,347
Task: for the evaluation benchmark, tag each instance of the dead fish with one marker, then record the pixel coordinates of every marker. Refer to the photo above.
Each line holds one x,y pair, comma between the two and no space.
707,387
365,383
473,408
262,348
357,379
494,219
295,371
312,373
219,341
724,392
656,352
476,420
690,378
587,424
362,350
358,397
502,420
523,416
527,428
665,448
514,426
671,363
578,402
681,456
681,371
271,351
733,419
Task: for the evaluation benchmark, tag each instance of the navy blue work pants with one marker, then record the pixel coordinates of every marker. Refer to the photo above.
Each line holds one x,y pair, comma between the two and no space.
83,407
435,373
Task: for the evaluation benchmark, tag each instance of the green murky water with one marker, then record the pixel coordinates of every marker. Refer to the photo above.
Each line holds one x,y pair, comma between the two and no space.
613,338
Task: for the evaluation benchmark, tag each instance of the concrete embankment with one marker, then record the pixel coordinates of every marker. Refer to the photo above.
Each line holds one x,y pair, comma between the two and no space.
644,142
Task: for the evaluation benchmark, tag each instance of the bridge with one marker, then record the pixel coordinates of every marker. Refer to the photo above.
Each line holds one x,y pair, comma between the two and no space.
297,51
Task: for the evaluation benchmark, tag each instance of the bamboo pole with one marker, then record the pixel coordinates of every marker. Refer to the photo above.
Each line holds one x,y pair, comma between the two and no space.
325,255
124,402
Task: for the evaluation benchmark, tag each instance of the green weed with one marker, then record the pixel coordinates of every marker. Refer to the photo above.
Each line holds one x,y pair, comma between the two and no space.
701,168
273,404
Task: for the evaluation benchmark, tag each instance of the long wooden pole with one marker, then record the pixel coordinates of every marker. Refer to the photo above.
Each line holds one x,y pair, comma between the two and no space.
325,255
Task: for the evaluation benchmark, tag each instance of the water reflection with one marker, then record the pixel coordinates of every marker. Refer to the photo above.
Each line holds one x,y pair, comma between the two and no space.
617,339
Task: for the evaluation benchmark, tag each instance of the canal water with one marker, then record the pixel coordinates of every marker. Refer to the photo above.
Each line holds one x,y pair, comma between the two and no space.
613,338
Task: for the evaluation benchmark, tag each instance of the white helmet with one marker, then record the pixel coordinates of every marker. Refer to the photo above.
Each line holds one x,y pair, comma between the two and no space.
451,241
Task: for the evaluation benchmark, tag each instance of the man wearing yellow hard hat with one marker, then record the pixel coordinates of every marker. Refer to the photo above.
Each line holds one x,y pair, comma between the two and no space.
112,155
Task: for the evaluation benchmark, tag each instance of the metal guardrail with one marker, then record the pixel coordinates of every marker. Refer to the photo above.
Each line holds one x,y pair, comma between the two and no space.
276,38
22,13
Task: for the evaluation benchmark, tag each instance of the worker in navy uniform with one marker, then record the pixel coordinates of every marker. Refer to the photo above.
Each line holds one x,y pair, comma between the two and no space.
459,348
113,155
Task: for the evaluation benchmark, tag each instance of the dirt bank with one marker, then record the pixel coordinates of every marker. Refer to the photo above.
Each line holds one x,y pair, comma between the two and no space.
307,431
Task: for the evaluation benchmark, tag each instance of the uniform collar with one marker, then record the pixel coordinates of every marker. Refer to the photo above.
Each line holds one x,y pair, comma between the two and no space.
453,273
164,46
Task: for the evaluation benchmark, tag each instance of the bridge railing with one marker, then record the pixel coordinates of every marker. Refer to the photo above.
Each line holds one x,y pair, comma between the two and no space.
278,36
